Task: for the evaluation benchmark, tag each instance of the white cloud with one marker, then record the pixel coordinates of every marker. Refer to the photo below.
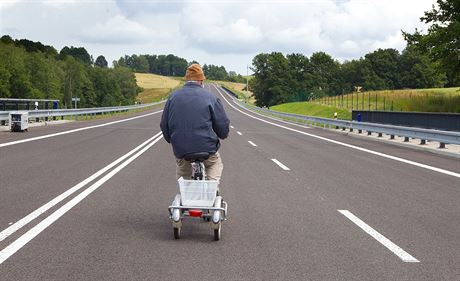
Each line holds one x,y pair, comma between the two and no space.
116,30
219,32
4,4
59,3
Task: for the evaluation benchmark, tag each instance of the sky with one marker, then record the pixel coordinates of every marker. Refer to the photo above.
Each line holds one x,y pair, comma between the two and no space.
228,33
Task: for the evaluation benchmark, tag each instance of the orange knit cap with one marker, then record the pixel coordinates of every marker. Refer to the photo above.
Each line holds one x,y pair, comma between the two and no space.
194,73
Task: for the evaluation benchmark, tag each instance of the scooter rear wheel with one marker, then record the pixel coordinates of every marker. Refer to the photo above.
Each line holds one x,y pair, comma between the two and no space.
217,234
176,232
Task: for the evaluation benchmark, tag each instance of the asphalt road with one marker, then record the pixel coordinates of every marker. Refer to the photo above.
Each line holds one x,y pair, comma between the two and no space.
339,212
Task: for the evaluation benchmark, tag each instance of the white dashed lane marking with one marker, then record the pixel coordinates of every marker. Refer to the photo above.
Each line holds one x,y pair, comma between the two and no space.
251,143
284,167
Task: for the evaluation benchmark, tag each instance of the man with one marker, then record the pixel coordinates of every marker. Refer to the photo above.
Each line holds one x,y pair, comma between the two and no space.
193,121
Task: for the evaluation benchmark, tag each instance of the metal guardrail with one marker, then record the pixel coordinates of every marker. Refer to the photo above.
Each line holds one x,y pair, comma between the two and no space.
46,113
443,137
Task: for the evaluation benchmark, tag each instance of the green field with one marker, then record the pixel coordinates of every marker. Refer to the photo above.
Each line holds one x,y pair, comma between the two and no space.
421,100
312,109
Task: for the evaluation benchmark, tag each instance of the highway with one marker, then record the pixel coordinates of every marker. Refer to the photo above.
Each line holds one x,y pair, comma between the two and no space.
89,202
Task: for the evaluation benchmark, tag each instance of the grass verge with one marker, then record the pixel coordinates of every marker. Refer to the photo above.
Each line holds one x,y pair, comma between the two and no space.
312,109
421,100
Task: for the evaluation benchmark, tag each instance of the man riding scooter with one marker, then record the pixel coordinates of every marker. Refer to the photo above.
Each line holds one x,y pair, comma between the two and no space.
193,121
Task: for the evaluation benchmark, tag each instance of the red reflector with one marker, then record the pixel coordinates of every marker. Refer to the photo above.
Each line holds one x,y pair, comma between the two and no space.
195,213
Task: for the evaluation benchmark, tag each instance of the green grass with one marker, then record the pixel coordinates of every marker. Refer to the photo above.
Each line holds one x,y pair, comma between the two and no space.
312,109
420,100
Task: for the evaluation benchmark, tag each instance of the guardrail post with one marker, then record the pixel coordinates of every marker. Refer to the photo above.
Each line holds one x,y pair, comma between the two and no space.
422,142
406,139
54,118
37,119
351,129
380,135
343,128
392,137
442,145
369,133
3,122
360,131
46,118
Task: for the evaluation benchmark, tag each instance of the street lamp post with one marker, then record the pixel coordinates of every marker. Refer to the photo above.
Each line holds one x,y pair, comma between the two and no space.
247,81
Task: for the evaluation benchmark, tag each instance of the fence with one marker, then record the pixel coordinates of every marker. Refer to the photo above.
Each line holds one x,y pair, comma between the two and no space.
427,120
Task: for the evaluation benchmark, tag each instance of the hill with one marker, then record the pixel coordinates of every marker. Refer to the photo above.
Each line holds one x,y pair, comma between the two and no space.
155,87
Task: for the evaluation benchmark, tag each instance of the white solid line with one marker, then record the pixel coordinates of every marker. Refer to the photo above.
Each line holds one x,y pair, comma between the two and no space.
284,167
428,167
33,232
403,255
239,133
251,143
30,217
75,130
232,127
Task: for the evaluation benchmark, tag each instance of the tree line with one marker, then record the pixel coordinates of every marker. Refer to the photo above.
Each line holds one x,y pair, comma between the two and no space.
295,77
429,60
32,70
171,65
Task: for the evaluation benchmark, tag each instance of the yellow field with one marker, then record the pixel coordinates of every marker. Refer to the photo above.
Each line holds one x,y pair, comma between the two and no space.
156,87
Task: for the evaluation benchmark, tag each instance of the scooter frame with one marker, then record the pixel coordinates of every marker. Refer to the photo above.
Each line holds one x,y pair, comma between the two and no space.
214,215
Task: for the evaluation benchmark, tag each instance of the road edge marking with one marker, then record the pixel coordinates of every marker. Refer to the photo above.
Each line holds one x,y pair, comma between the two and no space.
398,251
44,208
410,162
45,223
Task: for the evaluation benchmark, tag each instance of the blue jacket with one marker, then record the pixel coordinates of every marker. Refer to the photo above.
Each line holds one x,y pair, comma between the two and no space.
193,120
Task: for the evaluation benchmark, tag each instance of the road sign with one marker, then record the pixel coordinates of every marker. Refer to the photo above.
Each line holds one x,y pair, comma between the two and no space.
75,99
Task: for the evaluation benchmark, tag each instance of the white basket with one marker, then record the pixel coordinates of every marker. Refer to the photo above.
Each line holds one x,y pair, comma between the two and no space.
199,193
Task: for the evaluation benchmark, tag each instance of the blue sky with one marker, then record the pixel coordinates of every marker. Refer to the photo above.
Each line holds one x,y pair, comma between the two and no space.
228,33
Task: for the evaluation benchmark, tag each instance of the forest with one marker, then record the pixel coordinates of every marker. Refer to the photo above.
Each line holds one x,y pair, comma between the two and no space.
32,70
429,60
171,65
